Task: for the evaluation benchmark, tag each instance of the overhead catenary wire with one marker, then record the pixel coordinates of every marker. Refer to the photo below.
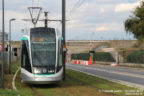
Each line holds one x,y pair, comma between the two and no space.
38,3
75,7
34,11
34,4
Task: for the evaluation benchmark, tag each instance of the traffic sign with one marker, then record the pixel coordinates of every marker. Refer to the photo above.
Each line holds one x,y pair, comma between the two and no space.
91,46
1,47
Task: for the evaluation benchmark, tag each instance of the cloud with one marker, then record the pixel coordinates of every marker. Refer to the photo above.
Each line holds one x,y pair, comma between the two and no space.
102,10
102,29
107,27
101,16
17,15
125,7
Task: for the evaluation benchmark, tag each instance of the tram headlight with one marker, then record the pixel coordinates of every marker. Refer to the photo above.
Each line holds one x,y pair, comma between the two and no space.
37,70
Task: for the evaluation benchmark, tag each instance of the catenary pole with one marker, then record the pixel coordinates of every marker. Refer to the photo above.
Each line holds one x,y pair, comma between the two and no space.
9,46
63,33
3,34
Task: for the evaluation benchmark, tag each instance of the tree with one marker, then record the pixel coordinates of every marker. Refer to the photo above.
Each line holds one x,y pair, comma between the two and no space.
135,23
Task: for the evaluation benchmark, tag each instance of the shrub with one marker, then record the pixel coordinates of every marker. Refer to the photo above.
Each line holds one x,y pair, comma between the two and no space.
103,56
107,44
136,57
99,56
81,56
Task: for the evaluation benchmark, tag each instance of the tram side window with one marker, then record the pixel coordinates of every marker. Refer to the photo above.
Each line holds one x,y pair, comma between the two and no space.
25,58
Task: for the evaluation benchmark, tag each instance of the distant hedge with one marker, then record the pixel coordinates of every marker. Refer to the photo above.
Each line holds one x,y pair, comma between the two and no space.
103,56
81,56
136,57
99,56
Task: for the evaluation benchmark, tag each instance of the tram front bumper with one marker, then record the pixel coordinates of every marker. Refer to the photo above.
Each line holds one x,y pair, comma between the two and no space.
30,78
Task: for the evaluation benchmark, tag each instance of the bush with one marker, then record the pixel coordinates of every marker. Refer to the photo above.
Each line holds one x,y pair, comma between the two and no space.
107,44
81,56
136,57
99,56
103,56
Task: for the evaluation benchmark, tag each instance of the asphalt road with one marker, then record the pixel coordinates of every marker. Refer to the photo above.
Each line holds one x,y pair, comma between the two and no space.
133,76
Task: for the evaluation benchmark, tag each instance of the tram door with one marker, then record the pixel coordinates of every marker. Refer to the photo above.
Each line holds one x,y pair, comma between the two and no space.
25,57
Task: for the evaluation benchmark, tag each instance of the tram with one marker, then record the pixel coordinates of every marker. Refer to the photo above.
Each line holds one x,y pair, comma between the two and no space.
41,56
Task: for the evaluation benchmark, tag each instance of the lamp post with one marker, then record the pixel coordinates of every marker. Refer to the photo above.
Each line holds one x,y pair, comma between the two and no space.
63,33
9,45
3,29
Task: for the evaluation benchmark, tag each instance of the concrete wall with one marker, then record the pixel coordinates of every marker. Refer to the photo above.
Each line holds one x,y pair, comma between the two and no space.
84,46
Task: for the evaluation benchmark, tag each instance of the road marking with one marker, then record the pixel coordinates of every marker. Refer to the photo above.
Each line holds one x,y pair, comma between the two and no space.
114,72
138,86
13,82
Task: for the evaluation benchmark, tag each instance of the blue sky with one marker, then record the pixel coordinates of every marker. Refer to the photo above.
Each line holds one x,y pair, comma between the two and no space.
88,19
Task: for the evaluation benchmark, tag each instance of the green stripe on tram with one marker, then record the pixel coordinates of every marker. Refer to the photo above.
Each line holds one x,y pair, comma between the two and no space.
24,38
60,38
44,74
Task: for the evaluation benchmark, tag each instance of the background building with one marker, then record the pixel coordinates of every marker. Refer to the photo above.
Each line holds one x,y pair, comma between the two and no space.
6,36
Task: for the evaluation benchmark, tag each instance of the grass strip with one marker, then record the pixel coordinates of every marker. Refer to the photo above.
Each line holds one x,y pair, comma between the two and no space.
100,83
8,81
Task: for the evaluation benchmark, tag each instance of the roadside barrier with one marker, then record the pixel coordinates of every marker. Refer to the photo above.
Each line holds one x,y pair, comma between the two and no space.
76,61
114,65
82,62
86,63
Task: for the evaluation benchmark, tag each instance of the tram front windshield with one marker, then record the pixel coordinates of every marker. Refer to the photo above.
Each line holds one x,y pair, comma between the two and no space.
43,46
